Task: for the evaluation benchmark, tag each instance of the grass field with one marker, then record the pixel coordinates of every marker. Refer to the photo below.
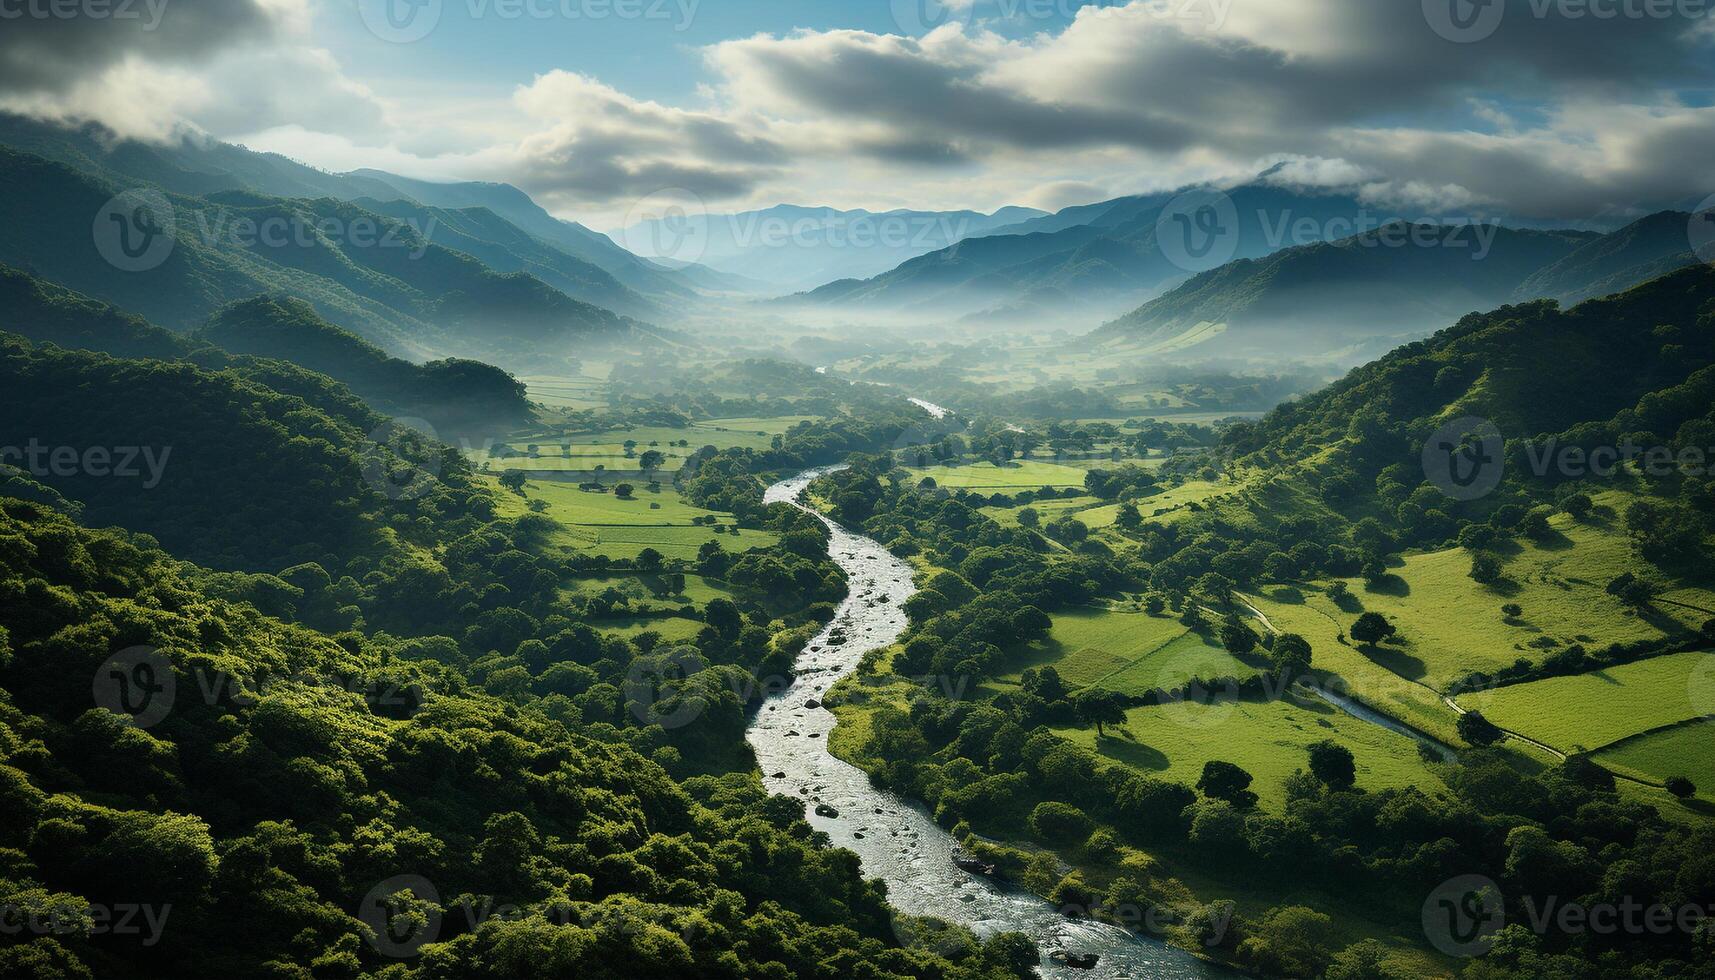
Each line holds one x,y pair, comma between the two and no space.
1686,750
607,525
673,629
1591,710
1047,511
587,450
1268,739
1011,477
1130,652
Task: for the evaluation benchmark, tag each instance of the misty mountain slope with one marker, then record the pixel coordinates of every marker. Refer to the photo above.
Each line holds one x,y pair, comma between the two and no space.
199,167
454,395
1333,297
1646,248
1532,369
796,247
44,312
364,272
505,248
1111,258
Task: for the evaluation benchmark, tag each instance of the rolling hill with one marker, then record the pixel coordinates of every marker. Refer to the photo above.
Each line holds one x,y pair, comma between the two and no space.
1358,297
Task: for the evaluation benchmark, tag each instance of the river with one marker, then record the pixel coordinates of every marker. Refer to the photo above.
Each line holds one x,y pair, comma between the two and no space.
895,838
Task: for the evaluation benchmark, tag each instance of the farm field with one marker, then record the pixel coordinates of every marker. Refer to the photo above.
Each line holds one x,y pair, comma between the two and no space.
1047,510
1352,671
1013,476
1686,750
1165,505
588,390
1268,739
603,524
1588,711
1130,652
1451,625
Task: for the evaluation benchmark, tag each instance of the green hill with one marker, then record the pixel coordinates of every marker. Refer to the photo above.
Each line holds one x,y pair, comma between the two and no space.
455,396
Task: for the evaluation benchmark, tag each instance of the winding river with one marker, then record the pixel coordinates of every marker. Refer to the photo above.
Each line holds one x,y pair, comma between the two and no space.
895,838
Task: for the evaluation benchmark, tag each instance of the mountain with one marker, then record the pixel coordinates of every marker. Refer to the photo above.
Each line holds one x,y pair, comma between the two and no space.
1646,248
1347,297
368,273
1635,366
1093,263
800,248
1362,295
455,396
198,167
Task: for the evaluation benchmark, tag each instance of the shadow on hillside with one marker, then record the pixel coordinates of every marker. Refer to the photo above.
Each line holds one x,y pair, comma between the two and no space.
1555,541
1288,595
1389,584
1124,748
1398,661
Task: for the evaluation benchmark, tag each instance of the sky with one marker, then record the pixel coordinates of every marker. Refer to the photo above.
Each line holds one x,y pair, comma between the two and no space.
1574,110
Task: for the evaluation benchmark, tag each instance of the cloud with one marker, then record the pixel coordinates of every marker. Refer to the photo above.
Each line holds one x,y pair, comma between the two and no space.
152,68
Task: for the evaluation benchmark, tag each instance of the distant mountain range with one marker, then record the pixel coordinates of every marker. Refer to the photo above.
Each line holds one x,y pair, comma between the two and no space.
420,280
793,247
1355,298
1084,263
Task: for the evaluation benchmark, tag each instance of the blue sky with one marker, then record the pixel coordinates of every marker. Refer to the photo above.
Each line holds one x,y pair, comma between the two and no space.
1573,110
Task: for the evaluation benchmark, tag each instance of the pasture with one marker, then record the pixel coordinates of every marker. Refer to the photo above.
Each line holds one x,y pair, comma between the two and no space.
1685,750
1268,739
1588,711
1129,652
1012,477
605,524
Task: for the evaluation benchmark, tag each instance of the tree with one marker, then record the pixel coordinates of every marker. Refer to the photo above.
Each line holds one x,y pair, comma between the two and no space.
1099,706
1333,764
1372,628
1028,517
1291,656
623,490
1478,730
1363,960
513,480
1225,781
1681,787
1512,610
1059,822
1127,518
1633,590
1294,941
649,560
1154,604
1485,569
1237,637
651,460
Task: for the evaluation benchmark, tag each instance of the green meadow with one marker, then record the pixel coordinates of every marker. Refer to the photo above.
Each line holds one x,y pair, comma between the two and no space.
1588,711
605,524
1685,750
1129,652
1268,739
1028,474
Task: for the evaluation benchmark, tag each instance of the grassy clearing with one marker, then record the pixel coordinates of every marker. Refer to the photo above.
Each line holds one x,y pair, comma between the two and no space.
1366,675
1588,711
1268,739
601,523
1130,652
1686,750
1013,476
673,629
1047,511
